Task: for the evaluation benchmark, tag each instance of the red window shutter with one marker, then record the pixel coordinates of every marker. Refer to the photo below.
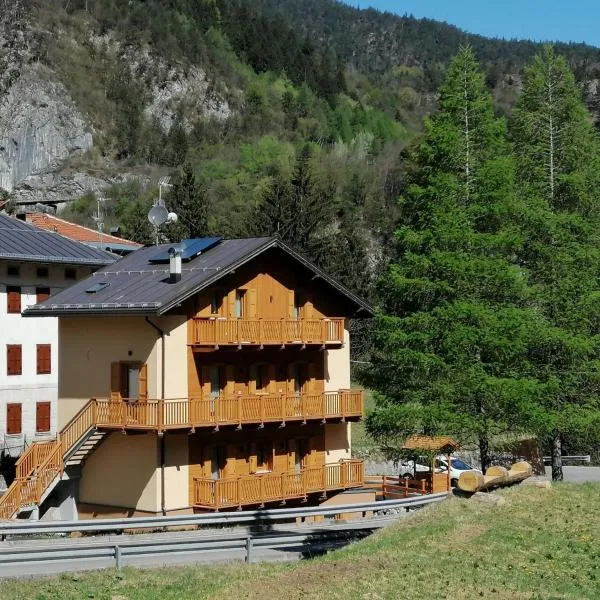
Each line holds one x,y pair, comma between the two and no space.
14,364
44,362
41,294
13,300
13,419
42,417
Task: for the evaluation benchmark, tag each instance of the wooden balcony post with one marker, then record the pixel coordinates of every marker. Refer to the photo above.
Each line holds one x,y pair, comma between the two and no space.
161,415
260,331
323,331
282,327
94,411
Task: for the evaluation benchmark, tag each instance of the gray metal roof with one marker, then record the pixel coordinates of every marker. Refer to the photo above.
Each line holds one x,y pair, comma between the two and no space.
137,287
21,241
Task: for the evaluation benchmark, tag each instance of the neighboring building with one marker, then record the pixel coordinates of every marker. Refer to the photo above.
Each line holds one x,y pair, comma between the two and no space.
228,370
79,233
34,264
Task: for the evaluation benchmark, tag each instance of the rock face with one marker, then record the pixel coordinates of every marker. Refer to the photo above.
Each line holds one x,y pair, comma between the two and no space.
40,127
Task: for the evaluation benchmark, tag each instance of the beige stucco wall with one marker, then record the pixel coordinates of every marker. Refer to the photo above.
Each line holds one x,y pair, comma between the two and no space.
176,471
123,471
88,346
337,377
337,366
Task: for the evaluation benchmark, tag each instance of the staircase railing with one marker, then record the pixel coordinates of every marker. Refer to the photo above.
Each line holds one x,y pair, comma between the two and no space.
43,462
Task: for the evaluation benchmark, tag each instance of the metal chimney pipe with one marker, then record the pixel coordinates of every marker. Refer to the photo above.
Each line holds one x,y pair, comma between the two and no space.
174,265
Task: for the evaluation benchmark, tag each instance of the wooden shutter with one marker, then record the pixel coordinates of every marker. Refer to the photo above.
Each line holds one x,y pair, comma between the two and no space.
250,299
205,384
231,304
143,382
13,418
229,386
42,417
14,365
115,381
311,379
44,360
308,310
13,300
291,303
41,294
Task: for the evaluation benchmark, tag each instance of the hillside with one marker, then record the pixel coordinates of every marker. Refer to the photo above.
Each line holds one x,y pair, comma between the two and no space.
527,548
305,99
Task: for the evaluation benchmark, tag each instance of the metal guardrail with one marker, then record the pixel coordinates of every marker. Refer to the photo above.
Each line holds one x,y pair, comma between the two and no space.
224,518
586,458
35,557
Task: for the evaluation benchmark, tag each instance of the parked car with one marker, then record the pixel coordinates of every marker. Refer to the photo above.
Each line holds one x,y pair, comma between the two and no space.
457,466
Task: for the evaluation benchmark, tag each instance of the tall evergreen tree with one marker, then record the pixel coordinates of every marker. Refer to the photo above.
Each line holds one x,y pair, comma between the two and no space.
450,350
188,199
559,179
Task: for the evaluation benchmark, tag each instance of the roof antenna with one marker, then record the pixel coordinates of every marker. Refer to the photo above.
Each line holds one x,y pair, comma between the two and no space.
159,214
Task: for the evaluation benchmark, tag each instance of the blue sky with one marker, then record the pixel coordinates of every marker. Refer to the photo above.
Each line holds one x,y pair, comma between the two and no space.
541,20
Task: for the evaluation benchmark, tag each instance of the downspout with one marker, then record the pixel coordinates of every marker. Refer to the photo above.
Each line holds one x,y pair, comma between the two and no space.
161,435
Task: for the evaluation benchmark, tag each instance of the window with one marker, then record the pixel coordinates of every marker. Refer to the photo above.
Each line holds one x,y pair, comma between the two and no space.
13,418
239,303
44,362
217,381
42,417
260,377
70,274
216,300
42,294
13,359
13,271
13,300
128,380
218,462
42,272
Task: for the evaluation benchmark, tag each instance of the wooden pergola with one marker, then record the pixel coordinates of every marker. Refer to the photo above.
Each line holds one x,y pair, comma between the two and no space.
417,445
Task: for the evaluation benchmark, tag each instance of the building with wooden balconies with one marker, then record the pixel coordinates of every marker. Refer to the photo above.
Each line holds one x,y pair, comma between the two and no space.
207,375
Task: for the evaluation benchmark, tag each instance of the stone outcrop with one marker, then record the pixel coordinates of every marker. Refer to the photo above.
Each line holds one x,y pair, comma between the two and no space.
40,127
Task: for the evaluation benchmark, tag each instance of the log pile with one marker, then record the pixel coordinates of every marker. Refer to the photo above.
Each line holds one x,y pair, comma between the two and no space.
472,481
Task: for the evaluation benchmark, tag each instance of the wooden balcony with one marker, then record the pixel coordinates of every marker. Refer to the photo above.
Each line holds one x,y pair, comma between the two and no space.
160,415
216,331
272,487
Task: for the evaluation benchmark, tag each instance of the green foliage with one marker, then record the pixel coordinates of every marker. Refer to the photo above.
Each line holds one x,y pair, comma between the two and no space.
451,355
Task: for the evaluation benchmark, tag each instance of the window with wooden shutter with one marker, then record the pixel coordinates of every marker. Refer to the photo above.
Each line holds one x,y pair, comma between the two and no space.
143,382
14,364
13,299
42,294
13,418
44,359
115,381
42,417
251,313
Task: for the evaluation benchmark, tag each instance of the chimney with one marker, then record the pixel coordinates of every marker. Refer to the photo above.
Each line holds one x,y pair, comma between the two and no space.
174,265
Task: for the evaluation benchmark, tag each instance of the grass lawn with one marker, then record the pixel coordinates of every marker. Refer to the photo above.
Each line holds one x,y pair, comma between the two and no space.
542,544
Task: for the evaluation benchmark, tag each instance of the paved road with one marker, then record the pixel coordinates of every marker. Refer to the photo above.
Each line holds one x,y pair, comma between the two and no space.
578,474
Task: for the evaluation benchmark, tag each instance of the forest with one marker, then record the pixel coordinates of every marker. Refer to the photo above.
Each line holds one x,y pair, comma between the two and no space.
429,172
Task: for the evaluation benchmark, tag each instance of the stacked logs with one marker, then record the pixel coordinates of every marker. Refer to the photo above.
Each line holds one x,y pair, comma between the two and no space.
471,481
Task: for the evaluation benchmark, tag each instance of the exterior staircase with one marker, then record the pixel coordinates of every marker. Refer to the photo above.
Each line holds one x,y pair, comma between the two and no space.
42,465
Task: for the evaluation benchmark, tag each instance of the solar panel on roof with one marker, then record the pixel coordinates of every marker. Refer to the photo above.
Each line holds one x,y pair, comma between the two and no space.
189,249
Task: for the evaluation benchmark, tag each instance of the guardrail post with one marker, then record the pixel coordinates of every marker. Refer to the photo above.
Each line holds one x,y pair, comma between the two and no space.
118,557
249,546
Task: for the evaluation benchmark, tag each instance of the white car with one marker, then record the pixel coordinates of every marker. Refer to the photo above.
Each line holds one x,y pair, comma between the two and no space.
457,467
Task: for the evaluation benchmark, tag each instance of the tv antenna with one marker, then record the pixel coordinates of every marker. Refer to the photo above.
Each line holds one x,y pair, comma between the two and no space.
158,214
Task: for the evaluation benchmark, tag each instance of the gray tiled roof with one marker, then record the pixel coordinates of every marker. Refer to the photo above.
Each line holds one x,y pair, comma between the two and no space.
21,241
138,287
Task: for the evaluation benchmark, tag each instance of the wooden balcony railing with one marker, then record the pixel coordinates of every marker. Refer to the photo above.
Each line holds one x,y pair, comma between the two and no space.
227,410
271,487
214,331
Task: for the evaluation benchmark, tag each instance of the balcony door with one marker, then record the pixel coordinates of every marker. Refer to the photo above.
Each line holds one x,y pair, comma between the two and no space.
218,462
129,381
300,454
240,302
217,386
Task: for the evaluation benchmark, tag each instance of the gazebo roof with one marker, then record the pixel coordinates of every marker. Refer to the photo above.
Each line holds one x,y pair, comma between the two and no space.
430,443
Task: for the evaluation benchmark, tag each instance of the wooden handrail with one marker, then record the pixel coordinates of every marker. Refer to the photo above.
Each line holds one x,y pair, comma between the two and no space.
259,331
270,487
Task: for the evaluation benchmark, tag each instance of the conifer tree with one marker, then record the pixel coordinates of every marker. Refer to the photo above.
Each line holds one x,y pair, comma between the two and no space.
450,350
559,180
189,201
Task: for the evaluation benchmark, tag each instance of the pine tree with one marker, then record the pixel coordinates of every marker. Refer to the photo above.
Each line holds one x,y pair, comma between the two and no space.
189,201
451,349
559,179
